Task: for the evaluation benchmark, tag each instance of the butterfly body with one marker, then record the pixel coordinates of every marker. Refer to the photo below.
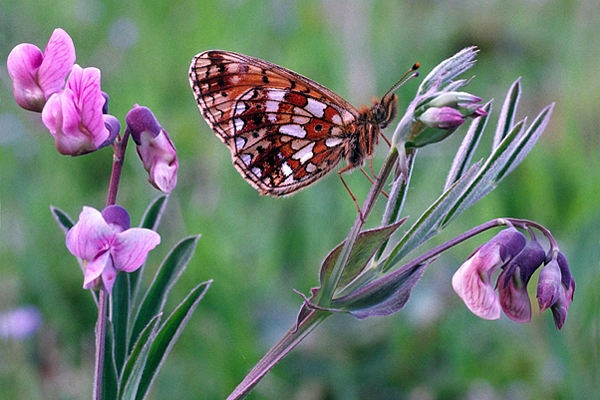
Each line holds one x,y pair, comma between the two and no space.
284,130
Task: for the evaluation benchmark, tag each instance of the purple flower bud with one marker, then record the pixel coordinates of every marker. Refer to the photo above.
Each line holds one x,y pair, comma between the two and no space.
107,245
472,281
74,115
566,292
548,288
37,76
154,148
512,282
442,118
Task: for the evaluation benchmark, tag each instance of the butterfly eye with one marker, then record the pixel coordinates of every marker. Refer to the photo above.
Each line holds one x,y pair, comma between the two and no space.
379,113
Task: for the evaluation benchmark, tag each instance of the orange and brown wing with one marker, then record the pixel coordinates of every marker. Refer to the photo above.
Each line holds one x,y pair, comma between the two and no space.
284,131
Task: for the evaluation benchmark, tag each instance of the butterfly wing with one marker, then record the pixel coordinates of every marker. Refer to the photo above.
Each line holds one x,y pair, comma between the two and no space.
284,131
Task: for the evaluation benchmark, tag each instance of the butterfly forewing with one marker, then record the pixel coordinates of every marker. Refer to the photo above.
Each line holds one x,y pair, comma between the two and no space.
284,131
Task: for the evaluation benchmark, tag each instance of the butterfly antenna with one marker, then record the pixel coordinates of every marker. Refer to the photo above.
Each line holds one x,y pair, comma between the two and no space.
408,75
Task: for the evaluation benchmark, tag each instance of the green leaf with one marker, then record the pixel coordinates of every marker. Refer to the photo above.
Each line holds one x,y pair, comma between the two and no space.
430,222
150,220
383,296
154,212
167,336
136,362
166,276
120,308
462,159
364,248
109,372
506,119
65,223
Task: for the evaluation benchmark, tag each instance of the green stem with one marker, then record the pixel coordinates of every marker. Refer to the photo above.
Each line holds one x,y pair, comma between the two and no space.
293,336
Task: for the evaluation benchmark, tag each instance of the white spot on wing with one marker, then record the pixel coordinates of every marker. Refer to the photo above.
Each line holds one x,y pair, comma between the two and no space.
286,169
240,107
336,119
239,124
257,172
315,107
305,153
276,94
310,168
332,142
240,142
293,130
246,159
271,106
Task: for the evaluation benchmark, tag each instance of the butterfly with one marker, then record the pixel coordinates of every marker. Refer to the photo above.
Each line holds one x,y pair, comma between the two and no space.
284,130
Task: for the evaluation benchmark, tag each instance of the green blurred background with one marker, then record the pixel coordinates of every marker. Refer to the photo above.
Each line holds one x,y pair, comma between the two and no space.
259,249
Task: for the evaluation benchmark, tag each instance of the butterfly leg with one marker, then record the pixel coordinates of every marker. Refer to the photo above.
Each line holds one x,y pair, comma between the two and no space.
340,172
372,181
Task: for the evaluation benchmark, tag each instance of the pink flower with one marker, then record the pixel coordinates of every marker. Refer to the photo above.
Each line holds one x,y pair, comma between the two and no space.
472,281
38,76
107,245
74,115
154,148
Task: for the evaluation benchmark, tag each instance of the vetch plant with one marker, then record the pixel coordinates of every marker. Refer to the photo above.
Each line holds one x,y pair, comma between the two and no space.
369,274
133,336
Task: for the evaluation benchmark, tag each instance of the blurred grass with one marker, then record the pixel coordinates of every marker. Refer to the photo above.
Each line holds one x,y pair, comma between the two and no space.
259,249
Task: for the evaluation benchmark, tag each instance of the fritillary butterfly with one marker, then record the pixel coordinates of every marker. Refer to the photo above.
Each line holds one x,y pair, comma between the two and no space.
284,131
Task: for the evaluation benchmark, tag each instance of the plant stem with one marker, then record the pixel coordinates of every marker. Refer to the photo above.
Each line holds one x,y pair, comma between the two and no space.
119,148
100,341
292,337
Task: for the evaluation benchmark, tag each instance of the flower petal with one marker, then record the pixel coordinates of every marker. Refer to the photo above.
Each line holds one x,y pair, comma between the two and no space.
85,84
90,235
131,248
95,268
59,58
23,64
471,282
513,296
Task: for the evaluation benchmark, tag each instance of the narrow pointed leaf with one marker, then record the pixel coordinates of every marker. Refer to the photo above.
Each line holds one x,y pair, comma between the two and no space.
383,296
120,306
109,372
65,223
150,220
167,336
134,367
507,114
166,276
460,164
430,222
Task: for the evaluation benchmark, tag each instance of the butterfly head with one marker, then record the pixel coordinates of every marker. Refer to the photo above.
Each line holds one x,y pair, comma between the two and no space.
385,111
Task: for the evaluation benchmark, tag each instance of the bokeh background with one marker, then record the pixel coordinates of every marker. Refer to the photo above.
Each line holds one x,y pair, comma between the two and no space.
259,249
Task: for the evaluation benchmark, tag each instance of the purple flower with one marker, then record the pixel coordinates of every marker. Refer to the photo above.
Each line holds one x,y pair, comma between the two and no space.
518,260
472,281
74,115
154,148
107,245
38,76
555,289
512,282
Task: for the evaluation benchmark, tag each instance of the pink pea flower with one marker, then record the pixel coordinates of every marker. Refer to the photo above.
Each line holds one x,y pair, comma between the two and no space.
154,148
472,281
74,115
38,76
107,245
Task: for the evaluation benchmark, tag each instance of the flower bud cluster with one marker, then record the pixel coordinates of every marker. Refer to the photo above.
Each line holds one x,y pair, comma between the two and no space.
510,252
442,114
